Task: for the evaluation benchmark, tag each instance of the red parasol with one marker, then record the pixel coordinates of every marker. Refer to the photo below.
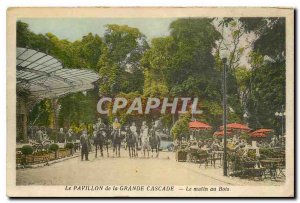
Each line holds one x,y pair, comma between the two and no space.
221,133
236,126
199,125
258,134
263,130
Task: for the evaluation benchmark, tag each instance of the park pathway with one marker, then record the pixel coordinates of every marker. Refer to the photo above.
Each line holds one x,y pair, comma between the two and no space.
115,171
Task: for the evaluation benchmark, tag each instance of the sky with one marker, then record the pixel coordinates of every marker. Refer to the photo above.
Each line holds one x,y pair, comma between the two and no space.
74,28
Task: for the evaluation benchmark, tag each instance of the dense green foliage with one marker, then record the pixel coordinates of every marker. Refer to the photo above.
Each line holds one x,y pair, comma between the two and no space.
119,65
266,83
69,145
53,147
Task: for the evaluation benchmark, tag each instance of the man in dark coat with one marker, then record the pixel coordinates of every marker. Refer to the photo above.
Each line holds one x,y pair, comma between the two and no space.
61,138
85,144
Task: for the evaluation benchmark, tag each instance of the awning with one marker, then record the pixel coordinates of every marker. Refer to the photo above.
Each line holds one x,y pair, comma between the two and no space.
45,77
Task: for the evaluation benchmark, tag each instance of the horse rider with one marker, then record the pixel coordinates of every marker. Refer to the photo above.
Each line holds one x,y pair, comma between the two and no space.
100,124
154,136
102,138
116,136
141,132
145,138
134,132
130,141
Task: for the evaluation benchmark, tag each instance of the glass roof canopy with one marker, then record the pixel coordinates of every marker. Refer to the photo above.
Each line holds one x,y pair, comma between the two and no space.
45,77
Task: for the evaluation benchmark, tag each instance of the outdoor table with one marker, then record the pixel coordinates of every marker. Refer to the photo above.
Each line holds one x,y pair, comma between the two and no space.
192,153
219,154
279,165
181,155
271,166
215,156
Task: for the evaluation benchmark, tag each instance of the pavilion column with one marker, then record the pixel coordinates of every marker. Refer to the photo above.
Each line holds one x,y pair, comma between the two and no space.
22,118
55,113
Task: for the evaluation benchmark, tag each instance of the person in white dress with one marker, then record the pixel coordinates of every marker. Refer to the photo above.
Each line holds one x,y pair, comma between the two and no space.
133,129
145,139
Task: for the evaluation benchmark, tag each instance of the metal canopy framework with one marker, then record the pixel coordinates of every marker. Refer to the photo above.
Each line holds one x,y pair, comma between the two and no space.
45,77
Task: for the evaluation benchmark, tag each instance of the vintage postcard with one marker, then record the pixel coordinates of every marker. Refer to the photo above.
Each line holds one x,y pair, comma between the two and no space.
150,102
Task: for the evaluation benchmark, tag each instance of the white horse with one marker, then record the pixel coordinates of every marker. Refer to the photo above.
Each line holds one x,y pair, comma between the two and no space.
145,140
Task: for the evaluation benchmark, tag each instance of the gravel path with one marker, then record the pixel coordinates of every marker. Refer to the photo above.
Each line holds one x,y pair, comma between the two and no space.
129,171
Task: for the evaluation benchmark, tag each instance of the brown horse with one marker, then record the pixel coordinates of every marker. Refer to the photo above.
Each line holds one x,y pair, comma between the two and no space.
131,143
154,142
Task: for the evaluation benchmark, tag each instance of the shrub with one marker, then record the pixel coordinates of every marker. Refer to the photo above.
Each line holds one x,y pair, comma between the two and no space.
181,127
27,149
53,147
69,145
266,152
245,136
251,154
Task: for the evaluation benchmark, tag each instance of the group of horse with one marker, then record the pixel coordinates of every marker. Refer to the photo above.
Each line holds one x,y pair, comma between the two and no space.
106,137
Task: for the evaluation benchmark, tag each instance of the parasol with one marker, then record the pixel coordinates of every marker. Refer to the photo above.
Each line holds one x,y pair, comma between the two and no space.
221,133
258,134
263,130
236,126
199,125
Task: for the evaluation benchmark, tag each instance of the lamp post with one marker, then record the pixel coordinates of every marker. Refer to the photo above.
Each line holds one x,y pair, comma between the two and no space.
224,60
281,114
246,117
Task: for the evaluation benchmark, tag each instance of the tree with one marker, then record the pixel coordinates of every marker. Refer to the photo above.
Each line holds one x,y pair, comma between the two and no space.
182,64
28,39
267,81
87,52
181,127
193,62
78,108
157,61
267,94
119,65
235,42
270,36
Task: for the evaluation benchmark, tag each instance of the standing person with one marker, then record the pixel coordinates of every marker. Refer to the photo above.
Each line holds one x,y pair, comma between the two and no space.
39,136
84,140
70,137
141,131
61,136
134,132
